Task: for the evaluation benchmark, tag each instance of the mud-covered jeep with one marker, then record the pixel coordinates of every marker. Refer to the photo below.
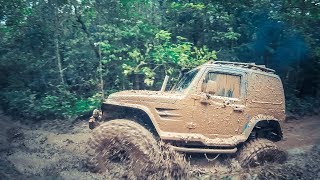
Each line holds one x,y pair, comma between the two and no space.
219,108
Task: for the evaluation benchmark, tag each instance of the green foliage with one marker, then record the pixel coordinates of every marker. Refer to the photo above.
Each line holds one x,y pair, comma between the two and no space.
182,54
172,56
54,54
62,105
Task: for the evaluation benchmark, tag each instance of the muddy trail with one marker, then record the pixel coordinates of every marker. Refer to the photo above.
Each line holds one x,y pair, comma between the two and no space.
57,150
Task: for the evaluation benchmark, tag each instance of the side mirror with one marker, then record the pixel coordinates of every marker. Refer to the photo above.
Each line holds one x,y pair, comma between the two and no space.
211,87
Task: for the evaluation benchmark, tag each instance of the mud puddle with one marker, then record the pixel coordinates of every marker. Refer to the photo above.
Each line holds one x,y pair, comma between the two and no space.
56,150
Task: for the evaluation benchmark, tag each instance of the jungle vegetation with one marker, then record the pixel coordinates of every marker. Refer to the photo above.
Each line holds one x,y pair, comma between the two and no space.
60,58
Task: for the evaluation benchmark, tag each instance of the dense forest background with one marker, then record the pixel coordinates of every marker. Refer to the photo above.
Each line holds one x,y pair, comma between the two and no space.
59,58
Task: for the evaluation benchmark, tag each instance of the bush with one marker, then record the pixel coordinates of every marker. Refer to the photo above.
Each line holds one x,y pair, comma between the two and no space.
31,105
302,106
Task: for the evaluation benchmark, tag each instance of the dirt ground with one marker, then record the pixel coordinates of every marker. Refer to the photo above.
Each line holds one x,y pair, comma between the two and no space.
56,150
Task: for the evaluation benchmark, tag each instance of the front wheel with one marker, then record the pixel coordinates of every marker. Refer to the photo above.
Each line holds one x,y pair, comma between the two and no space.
259,151
124,148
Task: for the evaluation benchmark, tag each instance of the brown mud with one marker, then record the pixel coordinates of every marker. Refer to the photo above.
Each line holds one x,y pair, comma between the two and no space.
56,150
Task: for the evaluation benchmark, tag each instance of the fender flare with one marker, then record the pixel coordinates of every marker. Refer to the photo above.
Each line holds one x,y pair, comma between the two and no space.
251,124
140,107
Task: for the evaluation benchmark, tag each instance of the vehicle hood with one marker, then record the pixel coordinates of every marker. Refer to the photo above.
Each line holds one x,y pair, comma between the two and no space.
136,96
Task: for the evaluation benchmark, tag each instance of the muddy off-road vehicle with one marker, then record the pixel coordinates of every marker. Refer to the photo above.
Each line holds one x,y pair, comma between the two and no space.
217,108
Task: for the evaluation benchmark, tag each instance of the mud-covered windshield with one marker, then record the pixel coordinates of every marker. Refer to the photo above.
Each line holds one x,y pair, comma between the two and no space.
185,81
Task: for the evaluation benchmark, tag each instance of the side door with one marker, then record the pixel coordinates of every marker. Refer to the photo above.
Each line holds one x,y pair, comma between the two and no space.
220,110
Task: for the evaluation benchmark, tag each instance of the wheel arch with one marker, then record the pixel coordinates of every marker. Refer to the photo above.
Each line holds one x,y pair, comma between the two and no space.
136,113
262,126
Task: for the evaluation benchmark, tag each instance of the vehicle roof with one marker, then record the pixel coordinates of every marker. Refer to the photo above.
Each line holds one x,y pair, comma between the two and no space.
249,66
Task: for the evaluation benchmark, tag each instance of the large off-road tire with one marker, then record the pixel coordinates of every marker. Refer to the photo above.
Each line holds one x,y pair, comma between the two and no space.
259,151
124,149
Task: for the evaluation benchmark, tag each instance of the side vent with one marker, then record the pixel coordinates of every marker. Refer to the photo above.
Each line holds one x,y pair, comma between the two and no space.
168,114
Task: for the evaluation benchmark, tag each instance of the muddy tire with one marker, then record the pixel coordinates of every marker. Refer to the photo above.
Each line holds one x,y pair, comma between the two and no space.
259,151
124,149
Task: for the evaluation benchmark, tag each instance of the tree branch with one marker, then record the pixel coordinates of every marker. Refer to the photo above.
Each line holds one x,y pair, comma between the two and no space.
86,31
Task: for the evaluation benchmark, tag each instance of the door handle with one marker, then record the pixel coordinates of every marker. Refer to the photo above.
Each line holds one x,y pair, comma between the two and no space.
203,98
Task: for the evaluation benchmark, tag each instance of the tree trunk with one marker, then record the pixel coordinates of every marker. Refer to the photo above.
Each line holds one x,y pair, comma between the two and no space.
94,48
56,22
101,73
58,58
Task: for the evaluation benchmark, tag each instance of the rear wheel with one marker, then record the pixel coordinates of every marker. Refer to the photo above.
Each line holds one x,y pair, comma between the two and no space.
259,151
123,148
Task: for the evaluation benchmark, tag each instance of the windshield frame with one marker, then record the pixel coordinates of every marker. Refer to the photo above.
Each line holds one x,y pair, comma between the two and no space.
183,81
